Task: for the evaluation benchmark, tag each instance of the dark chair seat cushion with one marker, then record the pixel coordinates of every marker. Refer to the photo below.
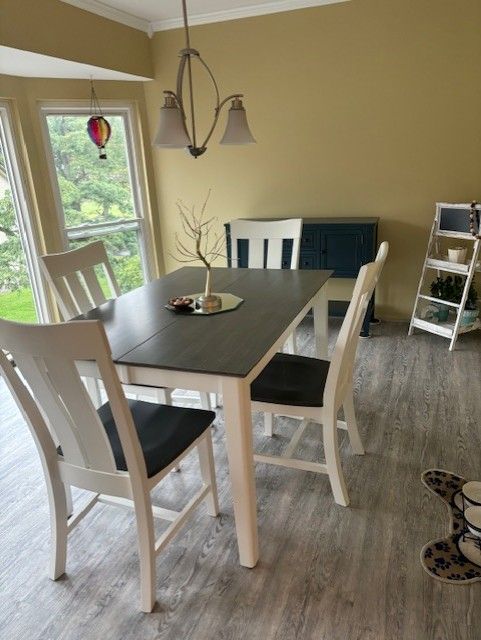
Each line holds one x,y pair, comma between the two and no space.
164,432
291,380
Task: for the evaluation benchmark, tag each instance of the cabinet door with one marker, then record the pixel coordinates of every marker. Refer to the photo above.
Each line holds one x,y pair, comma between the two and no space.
342,250
310,256
310,238
309,261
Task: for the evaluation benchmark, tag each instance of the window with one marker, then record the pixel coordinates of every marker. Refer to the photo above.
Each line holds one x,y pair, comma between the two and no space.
21,295
100,199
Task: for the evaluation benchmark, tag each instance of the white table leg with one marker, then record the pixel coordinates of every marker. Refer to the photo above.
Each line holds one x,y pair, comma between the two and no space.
238,429
321,312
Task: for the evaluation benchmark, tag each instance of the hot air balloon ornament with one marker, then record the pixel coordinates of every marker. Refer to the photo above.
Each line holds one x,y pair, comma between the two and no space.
98,127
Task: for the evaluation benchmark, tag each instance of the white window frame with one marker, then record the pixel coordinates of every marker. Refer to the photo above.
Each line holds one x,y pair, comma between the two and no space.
141,222
23,206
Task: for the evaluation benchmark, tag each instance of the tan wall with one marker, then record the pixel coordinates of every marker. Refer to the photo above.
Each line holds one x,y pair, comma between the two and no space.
25,95
54,28
367,108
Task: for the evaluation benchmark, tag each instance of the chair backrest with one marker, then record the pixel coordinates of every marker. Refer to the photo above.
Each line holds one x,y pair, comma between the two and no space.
344,354
382,255
55,402
258,234
74,280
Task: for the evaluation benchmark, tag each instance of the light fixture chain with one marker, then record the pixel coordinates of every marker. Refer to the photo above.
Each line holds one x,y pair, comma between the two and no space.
94,101
186,24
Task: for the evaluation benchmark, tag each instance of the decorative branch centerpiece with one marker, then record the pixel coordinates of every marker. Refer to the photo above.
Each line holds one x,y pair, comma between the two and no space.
207,247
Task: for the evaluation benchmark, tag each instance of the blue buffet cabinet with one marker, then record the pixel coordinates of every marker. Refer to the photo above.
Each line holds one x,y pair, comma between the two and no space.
340,244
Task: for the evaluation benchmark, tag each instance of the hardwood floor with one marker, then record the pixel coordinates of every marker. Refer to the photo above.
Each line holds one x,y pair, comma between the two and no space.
326,572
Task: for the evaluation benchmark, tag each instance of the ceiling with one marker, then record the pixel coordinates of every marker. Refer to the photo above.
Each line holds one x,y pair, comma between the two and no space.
160,15
15,62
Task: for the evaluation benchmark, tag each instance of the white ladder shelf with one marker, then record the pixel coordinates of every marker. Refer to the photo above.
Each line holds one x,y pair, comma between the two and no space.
451,221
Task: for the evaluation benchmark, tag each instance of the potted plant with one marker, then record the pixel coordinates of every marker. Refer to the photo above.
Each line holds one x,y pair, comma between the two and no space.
442,288
471,310
450,289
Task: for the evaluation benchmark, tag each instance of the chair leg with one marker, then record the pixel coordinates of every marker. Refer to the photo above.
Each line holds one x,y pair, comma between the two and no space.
268,424
333,461
352,429
57,496
146,542
207,469
205,401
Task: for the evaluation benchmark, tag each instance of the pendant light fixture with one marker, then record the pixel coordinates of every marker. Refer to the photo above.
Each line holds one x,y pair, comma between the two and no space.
173,131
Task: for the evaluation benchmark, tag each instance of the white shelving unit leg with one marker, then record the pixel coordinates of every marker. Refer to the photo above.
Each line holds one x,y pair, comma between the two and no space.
467,284
421,280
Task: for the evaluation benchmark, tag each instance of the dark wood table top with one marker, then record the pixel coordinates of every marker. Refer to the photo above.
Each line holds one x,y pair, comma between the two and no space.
142,332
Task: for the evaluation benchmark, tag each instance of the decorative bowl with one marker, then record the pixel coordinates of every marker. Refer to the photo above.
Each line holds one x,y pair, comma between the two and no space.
180,302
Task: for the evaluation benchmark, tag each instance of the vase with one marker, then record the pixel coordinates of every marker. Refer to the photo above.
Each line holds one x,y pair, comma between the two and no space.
458,255
469,317
442,312
209,300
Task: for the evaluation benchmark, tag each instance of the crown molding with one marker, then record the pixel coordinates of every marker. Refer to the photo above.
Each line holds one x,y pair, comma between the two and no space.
277,6
101,9
240,12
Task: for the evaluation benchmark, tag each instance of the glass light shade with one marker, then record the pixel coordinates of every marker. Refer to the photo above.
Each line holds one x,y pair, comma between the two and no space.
237,130
171,132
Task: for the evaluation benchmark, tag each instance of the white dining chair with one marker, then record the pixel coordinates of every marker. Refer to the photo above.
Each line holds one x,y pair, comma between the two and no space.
314,390
265,240
74,279
258,233
120,451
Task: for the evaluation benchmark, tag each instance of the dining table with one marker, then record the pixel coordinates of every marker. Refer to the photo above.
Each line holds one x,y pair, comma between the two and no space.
220,353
